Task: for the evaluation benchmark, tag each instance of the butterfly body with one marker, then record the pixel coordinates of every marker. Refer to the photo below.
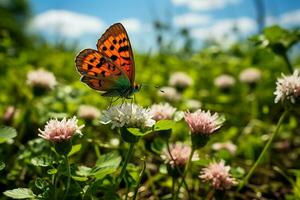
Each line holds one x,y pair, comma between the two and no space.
109,69
122,88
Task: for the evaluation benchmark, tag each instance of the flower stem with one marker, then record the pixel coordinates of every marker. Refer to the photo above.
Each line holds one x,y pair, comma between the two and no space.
184,173
54,185
127,188
139,181
56,178
96,148
267,146
179,171
123,170
69,176
288,63
173,186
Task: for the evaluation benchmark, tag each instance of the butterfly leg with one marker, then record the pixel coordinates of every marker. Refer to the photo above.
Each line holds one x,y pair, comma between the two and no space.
123,101
110,102
116,99
132,99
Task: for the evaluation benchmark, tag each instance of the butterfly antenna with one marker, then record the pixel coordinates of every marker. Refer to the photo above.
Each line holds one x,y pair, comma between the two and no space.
158,87
149,85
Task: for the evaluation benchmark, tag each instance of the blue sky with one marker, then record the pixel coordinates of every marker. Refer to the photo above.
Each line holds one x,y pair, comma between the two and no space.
84,21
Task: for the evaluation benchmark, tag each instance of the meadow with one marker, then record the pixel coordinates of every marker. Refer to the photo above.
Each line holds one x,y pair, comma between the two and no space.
205,124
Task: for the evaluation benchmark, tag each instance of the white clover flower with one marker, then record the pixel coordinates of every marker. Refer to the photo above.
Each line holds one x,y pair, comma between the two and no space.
229,146
288,87
193,104
162,111
219,176
88,112
224,81
250,75
169,93
128,115
180,80
57,131
41,78
201,122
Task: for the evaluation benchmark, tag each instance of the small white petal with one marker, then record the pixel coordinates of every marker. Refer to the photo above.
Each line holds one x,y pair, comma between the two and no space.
287,87
129,115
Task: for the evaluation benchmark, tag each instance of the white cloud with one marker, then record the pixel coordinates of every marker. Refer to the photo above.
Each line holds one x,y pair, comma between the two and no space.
204,4
290,18
191,19
132,25
67,23
222,30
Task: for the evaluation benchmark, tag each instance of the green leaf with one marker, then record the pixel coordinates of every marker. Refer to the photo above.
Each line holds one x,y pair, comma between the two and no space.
275,33
128,134
133,172
2,165
52,171
138,132
40,183
20,193
164,125
279,40
79,178
106,164
75,148
7,133
237,172
109,160
102,172
41,161
83,171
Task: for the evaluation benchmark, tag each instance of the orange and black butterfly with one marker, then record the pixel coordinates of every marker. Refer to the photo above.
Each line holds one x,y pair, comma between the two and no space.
109,69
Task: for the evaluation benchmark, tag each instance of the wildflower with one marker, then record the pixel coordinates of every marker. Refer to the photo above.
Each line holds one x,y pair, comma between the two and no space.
179,155
288,87
162,111
9,114
201,122
180,80
218,174
226,145
128,115
250,75
58,131
193,104
224,81
169,93
88,112
41,79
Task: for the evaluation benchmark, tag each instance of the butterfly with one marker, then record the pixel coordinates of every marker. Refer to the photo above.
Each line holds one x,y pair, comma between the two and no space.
109,69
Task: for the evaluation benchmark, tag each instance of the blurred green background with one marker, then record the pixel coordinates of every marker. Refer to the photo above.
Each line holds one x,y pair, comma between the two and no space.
249,108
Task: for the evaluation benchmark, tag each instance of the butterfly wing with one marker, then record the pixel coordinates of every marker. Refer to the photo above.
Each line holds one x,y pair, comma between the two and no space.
97,71
115,44
111,68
